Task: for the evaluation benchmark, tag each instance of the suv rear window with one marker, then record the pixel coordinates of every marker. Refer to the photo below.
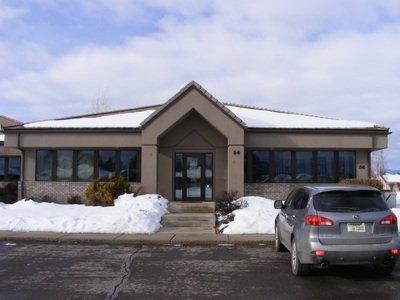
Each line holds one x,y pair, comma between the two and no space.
349,201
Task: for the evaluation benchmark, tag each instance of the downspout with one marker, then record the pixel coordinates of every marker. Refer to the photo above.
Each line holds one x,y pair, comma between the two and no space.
22,178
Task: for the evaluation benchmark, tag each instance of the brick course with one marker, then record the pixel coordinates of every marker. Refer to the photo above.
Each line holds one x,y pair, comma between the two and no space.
58,192
274,191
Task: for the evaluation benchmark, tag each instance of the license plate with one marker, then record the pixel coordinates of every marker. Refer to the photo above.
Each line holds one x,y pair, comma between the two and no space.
356,227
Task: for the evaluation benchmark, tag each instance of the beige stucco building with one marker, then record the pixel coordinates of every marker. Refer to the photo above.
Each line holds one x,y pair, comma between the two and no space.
192,148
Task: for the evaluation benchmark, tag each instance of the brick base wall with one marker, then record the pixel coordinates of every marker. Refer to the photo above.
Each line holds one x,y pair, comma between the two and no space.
274,191
58,192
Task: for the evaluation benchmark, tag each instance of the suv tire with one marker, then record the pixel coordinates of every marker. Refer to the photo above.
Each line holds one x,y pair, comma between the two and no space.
385,269
278,244
298,268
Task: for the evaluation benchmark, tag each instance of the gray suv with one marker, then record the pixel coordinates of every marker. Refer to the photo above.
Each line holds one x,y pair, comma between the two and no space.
337,225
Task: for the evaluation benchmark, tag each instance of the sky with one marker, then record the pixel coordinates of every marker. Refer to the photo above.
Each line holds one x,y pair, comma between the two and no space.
332,58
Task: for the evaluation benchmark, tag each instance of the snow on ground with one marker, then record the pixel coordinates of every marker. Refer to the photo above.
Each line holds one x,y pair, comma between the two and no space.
255,215
118,120
392,178
141,214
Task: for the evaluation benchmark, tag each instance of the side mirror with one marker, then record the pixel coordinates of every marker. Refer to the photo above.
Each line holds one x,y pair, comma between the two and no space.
278,204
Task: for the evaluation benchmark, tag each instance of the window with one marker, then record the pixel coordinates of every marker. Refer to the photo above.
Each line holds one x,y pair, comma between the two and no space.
129,165
208,174
44,165
258,166
2,168
304,166
85,168
299,166
349,201
65,165
14,168
107,169
301,200
283,166
326,166
347,164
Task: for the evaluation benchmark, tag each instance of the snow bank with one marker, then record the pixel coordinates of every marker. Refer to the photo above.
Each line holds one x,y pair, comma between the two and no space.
141,214
255,215
392,178
397,213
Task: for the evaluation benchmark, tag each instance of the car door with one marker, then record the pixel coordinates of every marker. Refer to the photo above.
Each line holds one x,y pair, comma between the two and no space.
285,230
298,212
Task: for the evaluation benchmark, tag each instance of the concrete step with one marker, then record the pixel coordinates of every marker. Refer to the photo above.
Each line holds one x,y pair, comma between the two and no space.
191,207
201,220
188,230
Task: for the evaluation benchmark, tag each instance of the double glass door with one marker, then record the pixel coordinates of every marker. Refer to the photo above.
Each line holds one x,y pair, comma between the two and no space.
193,177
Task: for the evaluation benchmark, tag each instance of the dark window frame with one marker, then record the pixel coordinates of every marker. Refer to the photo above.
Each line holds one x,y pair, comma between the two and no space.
6,167
96,162
249,178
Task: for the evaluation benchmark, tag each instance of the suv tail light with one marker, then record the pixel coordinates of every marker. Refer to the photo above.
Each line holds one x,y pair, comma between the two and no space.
315,220
389,220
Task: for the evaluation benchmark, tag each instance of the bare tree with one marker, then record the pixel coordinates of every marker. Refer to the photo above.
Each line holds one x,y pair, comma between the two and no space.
378,163
100,104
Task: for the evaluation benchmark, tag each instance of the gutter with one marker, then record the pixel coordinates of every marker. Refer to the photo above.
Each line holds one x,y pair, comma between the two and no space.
381,130
22,177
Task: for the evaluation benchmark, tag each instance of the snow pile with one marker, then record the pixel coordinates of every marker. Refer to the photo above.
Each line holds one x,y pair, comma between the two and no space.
141,214
396,211
1,137
121,120
255,215
392,178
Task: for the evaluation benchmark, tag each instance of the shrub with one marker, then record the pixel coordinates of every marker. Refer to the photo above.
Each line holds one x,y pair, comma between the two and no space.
9,193
74,200
370,182
103,194
223,203
224,207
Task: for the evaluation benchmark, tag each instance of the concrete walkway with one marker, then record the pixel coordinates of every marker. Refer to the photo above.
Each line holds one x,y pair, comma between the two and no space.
159,238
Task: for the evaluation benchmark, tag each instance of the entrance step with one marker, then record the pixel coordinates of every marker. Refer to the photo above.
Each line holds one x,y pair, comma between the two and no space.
191,207
206,220
188,230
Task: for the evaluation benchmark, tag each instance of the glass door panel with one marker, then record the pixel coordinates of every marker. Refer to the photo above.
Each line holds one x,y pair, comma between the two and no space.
193,174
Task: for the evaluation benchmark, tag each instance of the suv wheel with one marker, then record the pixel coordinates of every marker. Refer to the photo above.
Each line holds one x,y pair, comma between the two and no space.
278,245
298,268
385,269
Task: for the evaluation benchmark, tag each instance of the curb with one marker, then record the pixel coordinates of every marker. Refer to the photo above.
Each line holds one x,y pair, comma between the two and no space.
158,239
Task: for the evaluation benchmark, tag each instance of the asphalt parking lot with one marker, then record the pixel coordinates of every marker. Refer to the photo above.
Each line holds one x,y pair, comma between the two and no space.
73,271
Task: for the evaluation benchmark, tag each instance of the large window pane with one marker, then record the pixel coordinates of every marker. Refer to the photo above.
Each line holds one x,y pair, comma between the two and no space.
259,161
208,176
14,168
129,165
326,166
347,164
64,165
304,166
107,164
2,168
85,165
283,166
44,165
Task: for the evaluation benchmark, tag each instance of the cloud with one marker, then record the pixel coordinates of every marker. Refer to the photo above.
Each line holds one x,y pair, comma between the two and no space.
9,13
338,60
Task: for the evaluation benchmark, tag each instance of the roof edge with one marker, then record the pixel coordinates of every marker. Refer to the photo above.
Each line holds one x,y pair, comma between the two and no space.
193,85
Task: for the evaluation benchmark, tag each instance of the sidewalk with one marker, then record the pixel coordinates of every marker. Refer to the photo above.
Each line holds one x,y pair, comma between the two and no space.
159,238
